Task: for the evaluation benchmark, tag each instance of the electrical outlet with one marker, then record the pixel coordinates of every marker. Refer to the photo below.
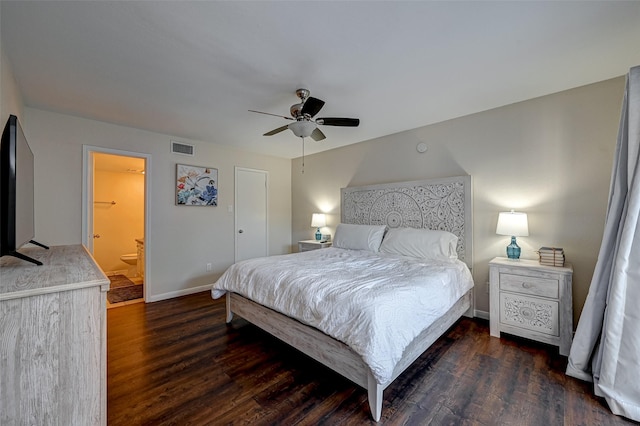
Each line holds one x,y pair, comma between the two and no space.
208,267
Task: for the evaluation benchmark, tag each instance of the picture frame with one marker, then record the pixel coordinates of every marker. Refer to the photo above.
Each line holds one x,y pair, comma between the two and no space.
196,186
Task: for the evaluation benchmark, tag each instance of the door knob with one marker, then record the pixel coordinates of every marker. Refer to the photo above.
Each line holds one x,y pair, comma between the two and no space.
240,231
96,235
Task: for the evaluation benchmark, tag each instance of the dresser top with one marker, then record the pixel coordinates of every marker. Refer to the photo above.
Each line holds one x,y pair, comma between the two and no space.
532,264
63,268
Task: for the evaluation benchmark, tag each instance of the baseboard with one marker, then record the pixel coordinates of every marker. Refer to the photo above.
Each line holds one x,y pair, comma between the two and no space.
481,314
170,295
178,293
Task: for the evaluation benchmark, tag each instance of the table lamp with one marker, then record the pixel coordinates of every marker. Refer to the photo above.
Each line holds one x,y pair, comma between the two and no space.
514,224
318,220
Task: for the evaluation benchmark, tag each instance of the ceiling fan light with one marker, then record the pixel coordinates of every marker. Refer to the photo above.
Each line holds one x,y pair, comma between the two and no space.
302,129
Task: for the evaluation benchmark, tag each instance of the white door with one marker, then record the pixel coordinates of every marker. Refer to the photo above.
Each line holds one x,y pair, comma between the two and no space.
251,213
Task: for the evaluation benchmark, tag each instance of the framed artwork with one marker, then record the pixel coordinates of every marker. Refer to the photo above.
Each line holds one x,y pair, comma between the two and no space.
196,186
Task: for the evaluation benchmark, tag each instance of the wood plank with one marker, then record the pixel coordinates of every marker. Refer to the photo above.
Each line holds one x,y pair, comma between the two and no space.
465,377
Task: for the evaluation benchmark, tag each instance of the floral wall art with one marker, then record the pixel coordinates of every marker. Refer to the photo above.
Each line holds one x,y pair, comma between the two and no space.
196,186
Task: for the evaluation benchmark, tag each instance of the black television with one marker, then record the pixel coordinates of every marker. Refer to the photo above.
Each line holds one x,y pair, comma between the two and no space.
17,224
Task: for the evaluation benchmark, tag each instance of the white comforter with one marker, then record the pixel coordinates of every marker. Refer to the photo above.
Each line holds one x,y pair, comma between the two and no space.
375,303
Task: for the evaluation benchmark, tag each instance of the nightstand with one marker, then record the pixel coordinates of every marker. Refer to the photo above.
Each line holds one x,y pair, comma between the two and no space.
531,300
312,245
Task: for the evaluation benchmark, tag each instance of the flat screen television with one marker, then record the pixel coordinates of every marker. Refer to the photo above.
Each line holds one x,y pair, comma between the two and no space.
17,224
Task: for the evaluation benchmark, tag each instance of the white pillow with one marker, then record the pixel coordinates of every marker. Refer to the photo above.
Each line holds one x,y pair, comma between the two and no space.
359,237
421,243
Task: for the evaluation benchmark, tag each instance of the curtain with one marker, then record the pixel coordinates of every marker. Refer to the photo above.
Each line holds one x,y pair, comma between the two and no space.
606,346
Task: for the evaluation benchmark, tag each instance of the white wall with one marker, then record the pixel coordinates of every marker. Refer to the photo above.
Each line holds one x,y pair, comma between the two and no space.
10,98
182,240
550,157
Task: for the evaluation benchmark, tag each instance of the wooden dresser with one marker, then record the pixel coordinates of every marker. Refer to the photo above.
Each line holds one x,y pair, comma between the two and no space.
53,359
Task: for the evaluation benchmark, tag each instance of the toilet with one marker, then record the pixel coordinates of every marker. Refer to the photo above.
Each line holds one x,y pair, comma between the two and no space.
130,259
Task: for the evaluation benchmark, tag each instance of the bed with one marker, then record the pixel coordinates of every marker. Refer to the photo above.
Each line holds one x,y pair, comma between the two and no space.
370,306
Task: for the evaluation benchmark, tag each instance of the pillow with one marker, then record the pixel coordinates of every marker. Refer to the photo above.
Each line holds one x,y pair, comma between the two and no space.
359,237
421,243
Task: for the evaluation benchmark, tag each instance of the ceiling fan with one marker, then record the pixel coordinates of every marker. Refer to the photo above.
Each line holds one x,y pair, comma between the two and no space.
302,116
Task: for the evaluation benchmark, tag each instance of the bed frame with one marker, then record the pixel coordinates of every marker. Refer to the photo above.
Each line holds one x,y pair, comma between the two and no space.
444,204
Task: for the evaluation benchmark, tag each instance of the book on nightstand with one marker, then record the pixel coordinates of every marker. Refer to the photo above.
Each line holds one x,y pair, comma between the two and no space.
551,256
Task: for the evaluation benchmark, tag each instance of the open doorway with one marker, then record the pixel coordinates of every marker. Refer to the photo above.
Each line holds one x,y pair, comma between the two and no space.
114,224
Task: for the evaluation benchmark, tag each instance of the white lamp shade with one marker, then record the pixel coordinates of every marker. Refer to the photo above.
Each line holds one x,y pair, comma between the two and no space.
302,128
318,220
512,223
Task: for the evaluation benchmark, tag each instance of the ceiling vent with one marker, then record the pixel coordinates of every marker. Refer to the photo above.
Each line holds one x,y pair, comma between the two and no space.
181,148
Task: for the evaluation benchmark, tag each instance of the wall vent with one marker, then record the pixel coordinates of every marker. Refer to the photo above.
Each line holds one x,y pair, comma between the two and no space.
181,148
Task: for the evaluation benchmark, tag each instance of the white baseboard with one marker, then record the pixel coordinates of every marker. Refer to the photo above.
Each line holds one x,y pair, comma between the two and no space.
170,295
481,314
178,293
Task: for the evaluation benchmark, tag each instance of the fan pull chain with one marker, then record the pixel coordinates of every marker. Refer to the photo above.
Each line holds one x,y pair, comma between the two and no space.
302,155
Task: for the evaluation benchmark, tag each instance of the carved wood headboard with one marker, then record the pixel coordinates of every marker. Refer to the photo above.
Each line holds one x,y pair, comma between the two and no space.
444,204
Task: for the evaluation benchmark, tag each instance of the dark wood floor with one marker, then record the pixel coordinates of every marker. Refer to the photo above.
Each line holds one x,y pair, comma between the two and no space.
177,362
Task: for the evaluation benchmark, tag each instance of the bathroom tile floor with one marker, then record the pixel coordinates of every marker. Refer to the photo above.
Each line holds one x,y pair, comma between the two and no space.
136,280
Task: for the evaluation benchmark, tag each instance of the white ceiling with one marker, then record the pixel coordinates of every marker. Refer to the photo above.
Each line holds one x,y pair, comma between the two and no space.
192,69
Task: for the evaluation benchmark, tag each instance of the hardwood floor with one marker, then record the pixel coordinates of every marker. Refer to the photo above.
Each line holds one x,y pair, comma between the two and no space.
177,362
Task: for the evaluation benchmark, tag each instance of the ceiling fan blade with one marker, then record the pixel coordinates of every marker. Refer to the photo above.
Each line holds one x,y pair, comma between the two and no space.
339,121
275,131
312,106
275,115
317,135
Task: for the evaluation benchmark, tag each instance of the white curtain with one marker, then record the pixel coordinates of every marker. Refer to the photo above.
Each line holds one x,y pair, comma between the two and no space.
606,347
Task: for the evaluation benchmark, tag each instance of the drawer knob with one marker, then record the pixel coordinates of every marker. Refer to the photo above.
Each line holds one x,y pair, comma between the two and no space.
526,285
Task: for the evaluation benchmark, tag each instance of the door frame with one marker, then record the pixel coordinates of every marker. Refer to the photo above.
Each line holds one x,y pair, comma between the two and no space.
87,201
235,210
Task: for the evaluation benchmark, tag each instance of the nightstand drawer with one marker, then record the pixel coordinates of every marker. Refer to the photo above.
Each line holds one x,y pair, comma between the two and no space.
529,313
535,286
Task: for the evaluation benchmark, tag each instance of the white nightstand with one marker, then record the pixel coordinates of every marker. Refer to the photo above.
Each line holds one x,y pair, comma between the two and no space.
312,245
531,300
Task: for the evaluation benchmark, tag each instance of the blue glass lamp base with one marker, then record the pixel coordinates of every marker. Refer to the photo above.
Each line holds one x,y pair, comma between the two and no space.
318,235
513,249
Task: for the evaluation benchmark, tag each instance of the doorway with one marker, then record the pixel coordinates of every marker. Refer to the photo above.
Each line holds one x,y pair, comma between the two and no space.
115,199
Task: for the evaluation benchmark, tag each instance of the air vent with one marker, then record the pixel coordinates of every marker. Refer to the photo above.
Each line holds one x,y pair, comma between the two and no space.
181,148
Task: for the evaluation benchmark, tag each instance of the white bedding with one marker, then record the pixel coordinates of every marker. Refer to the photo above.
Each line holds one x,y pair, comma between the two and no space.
375,303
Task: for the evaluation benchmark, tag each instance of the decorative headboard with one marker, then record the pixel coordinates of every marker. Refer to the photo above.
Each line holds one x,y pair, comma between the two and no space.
444,204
